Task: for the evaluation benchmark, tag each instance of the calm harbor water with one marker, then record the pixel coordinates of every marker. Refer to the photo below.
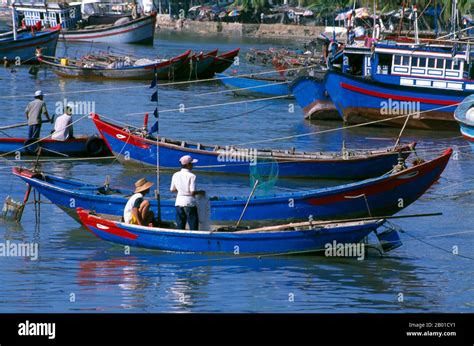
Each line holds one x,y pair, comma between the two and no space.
76,272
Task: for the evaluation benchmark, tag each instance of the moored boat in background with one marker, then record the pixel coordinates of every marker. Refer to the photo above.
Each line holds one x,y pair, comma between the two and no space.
212,158
423,82
196,65
23,49
221,63
311,95
464,115
256,85
102,67
125,29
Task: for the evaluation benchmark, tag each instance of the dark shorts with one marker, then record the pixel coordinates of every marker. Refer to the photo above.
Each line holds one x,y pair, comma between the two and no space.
189,215
34,131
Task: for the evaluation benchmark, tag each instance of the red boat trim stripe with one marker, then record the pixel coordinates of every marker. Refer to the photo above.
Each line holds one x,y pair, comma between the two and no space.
396,97
383,186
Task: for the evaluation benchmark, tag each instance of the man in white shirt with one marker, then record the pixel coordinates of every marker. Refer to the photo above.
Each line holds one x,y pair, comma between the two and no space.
63,126
184,184
137,210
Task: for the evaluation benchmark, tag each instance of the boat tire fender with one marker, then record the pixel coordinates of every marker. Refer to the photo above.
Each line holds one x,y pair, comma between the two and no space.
94,146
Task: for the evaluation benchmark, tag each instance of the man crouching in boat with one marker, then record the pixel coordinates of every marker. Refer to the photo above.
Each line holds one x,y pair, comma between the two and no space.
137,210
63,126
184,183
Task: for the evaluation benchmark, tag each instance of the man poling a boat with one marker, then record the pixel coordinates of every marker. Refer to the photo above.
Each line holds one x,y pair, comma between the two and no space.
33,113
184,184
137,210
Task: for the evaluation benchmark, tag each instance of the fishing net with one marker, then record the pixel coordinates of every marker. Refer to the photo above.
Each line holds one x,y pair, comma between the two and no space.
266,172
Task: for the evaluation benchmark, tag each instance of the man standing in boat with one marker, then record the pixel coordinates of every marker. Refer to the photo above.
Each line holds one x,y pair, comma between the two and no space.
184,184
33,113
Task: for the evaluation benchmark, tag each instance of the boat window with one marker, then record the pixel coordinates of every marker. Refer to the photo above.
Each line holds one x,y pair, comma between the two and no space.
449,64
384,64
414,61
431,62
456,65
406,61
397,59
422,62
440,63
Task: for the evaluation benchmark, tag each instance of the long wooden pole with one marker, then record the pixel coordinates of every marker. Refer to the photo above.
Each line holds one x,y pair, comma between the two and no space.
320,223
18,125
247,203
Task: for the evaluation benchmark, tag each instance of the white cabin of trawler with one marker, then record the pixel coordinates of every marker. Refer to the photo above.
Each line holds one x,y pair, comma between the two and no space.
50,15
435,67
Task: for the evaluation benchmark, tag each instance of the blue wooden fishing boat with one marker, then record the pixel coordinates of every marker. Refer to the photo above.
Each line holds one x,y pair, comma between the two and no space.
81,146
424,81
24,47
134,146
464,115
311,95
380,196
256,86
283,239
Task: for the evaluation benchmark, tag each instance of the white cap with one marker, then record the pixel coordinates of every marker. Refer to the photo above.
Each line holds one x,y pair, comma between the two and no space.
186,159
38,93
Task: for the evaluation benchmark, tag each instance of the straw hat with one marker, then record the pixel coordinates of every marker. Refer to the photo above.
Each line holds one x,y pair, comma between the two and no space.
142,185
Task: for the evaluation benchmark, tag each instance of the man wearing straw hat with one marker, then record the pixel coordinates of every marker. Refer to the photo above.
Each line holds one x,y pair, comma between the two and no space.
33,113
137,210
184,184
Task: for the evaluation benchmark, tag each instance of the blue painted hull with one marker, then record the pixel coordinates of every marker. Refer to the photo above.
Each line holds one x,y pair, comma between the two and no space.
134,149
312,97
25,46
263,242
75,147
385,195
361,100
255,86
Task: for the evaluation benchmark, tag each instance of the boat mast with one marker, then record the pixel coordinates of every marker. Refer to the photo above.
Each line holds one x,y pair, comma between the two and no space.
374,29
15,36
157,115
454,19
415,12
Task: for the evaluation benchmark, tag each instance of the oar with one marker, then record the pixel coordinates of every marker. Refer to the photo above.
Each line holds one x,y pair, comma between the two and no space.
246,204
320,223
18,125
